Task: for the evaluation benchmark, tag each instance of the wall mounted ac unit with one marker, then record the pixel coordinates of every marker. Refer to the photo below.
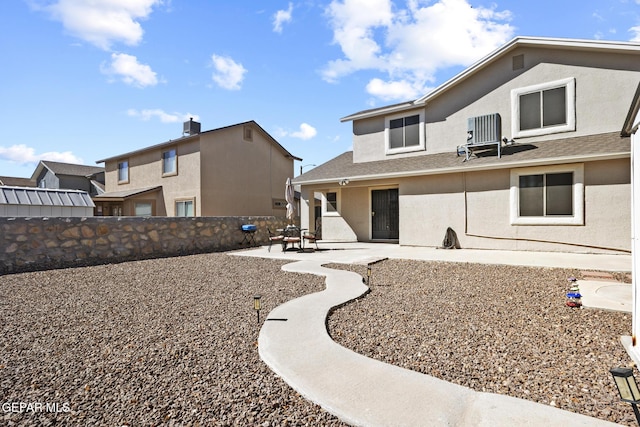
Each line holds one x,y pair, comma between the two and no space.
483,132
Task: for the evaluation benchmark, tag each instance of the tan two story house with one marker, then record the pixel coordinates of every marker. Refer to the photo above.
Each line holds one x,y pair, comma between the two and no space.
523,150
237,170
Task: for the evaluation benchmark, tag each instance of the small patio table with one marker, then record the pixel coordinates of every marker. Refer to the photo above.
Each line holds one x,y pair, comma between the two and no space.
249,231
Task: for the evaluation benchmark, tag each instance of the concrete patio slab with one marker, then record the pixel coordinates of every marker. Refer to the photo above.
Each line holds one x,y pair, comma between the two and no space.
606,295
357,252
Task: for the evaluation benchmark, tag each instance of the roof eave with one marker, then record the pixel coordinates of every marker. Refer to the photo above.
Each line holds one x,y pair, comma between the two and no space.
389,109
472,168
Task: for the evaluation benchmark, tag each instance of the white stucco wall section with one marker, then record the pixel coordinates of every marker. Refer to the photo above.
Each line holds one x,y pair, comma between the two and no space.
631,344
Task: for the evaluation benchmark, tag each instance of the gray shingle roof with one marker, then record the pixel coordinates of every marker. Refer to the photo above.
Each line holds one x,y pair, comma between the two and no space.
71,169
121,195
17,182
583,148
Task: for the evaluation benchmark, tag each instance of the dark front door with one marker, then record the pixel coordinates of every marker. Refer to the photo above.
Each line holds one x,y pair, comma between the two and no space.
384,214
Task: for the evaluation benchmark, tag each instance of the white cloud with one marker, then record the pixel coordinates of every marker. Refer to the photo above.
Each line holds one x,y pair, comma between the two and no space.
281,17
410,45
228,74
635,31
163,116
305,132
387,91
22,154
102,22
130,70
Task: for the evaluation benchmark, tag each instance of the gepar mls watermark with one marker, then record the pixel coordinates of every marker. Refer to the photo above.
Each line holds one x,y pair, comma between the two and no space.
35,407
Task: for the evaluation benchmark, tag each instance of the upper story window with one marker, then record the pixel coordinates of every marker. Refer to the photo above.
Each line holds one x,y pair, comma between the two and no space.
170,162
404,133
123,172
544,108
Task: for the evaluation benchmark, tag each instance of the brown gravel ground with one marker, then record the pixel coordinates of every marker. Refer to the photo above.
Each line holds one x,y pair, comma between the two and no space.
173,341
157,342
497,329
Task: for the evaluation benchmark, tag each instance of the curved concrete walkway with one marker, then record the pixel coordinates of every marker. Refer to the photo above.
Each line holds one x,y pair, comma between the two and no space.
295,344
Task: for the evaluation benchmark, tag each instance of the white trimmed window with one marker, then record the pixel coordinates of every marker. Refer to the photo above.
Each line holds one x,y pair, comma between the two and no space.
170,162
544,108
123,172
404,133
551,195
330,203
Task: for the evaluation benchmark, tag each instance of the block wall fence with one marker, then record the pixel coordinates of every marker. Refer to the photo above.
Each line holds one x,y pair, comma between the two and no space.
29,244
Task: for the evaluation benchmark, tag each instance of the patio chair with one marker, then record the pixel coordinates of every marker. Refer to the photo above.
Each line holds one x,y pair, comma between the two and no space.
313,237
291,235
274,238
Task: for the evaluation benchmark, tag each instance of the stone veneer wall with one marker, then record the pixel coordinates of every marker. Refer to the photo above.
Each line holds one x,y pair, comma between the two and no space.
28,244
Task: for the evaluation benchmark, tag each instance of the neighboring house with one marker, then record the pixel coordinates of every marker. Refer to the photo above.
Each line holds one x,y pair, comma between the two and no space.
43,202
69,176
235,170
522,150
17,182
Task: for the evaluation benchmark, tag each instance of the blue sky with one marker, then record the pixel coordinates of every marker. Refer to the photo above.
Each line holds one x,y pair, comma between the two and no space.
83,80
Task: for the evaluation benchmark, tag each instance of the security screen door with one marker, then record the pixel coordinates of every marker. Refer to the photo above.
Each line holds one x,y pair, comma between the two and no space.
384,214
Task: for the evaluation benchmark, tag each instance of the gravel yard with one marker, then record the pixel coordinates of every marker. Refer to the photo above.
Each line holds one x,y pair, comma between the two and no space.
174,340
147,343
498,329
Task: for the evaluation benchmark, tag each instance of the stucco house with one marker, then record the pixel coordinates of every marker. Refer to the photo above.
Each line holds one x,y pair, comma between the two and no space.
237,170
523,150
70,176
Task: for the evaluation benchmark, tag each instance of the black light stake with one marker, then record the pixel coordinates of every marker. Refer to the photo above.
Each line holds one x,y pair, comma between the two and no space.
256,305
628,388
368,274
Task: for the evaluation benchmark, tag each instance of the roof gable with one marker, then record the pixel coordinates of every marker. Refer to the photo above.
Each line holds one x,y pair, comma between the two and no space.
595,46
180,140
59,168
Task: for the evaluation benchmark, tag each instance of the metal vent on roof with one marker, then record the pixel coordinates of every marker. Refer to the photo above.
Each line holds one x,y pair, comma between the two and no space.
191,127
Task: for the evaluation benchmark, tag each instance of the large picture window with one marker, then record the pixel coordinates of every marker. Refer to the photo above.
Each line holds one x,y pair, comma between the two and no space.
551,196
543,109
169,162
404,133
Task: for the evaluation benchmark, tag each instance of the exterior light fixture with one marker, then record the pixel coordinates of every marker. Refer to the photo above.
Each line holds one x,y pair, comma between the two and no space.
368,274
627,387
256,305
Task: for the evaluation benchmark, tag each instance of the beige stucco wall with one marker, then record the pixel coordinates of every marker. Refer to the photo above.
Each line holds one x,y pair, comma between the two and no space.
242,177
605,84
222,172
145,170
481,216
477,206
